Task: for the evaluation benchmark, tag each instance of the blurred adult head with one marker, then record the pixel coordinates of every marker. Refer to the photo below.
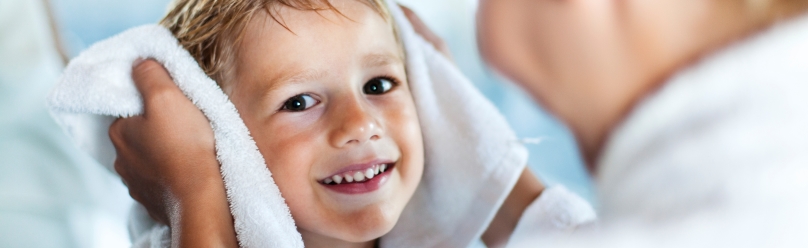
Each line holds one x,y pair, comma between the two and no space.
589,61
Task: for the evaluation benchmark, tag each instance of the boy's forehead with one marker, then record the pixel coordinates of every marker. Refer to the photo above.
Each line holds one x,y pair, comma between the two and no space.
291,23
313,41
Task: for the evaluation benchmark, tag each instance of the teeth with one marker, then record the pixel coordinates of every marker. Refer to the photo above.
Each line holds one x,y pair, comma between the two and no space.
358,176
369,173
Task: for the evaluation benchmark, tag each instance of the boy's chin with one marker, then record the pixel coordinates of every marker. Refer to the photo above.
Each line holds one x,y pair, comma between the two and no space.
363,232
333,235
370,224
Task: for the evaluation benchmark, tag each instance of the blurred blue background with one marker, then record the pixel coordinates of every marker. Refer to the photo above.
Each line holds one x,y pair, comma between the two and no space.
556,159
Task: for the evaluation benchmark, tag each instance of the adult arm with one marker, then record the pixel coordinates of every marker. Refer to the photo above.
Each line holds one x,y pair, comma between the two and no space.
166,158
526,190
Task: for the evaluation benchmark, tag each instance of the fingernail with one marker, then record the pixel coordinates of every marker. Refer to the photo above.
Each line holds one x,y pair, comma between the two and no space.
137,62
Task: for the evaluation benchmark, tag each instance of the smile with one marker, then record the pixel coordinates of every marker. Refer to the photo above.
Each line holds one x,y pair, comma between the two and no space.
360,180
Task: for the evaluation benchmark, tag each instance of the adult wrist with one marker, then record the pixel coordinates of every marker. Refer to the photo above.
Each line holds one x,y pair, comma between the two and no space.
203,219
527,189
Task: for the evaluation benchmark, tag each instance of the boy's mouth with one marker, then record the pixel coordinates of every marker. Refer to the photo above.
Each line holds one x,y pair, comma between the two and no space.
361,180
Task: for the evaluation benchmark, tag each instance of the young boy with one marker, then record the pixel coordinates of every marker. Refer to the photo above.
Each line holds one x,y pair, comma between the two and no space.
322,88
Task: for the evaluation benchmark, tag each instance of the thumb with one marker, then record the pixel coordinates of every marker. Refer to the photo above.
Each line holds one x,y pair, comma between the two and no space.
153,82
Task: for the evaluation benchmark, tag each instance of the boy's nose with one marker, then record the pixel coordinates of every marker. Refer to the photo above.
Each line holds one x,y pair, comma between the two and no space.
355,125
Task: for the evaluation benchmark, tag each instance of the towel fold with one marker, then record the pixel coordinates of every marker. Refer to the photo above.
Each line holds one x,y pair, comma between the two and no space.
472,157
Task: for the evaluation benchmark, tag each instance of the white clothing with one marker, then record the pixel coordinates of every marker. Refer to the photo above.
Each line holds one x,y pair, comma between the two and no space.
717,157
50,194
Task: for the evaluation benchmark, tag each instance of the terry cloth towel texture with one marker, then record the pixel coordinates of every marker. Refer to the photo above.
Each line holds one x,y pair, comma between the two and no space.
472,157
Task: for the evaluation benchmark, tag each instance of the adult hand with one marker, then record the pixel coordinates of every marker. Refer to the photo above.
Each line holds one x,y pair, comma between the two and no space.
425,32
166,158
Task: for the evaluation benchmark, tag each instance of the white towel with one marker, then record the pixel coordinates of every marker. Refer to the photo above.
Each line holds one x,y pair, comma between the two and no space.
472,157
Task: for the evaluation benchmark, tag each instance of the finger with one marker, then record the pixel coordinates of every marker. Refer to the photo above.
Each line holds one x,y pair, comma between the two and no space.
115,133
135,196
137,62
119,167
418,25
156,217
115,136
150,76
153,82
127,133
421,28
416,22
121,139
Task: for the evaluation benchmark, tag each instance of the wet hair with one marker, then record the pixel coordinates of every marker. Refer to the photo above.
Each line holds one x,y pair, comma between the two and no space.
212,29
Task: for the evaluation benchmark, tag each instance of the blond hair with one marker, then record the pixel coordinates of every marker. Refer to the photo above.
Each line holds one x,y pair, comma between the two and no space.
211,29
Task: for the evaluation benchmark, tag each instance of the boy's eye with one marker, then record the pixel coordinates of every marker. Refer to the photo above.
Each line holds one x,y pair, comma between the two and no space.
299,103
378,86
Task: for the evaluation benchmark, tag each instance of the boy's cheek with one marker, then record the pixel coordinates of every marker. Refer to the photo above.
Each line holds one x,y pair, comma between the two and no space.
410,141
288,158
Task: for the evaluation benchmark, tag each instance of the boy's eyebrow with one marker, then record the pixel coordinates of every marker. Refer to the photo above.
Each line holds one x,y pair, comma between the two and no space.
296,78
305,76
380,59
370,60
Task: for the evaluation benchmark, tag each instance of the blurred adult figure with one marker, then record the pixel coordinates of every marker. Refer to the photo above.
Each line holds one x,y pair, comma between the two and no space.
691,114
50,194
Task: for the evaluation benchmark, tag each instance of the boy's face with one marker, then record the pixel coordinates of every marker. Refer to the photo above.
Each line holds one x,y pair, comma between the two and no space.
329,101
